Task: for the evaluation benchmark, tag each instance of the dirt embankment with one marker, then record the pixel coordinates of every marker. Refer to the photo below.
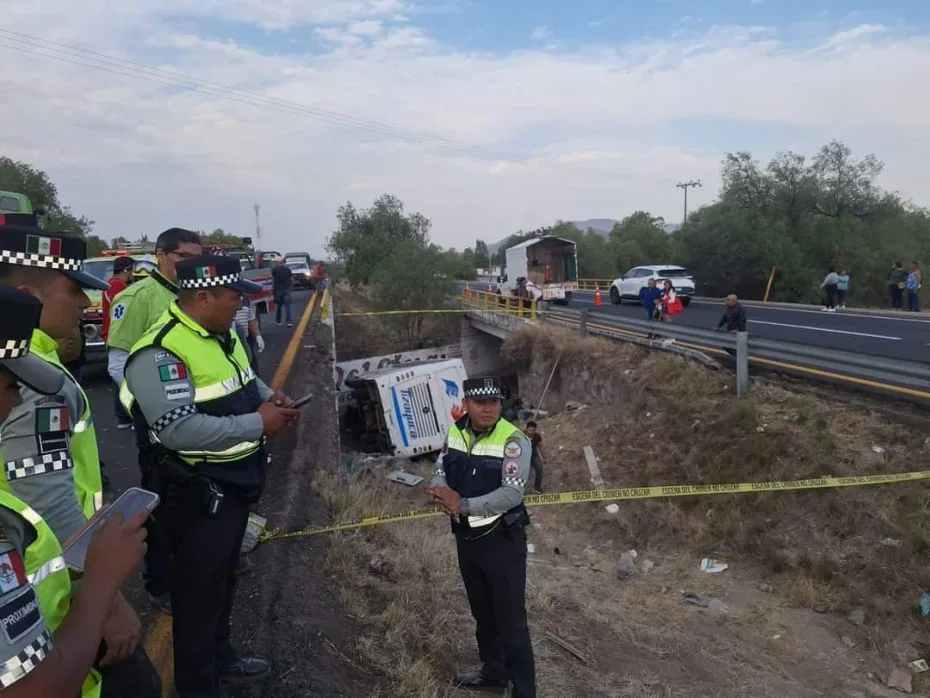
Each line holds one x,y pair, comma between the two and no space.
820,598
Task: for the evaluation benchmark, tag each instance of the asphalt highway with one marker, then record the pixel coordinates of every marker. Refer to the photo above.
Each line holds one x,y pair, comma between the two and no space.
882,336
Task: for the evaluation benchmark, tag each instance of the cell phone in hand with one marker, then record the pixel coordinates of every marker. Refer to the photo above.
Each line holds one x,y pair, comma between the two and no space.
128,504
301,401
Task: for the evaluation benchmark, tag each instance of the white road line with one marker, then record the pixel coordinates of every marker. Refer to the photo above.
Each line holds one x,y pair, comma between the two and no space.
823,329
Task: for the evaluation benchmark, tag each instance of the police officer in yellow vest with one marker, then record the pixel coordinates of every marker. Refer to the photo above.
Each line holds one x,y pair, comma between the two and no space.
49,638
51,458
480,480
190,387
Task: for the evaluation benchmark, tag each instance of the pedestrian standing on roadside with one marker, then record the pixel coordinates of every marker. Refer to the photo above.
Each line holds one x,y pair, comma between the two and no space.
913,283
829,285
532,431
842,288
283,280
648,295
897,282
249,332
122,277
671,303
734,317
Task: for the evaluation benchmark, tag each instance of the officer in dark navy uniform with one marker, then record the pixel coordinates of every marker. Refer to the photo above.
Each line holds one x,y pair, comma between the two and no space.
480,480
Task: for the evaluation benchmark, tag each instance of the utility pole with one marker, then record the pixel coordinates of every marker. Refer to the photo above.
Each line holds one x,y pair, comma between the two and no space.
258,225
258,238
684,186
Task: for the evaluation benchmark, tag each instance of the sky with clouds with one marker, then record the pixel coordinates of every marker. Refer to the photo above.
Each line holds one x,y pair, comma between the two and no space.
487,116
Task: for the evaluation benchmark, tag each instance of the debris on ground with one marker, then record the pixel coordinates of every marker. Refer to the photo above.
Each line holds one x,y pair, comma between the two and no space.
712,566
900,680
925,604
767,588
647,566
567,646
613,508
405,478
919,666
718,607
689,598
380,565
848,641
627,568
530,548
857,617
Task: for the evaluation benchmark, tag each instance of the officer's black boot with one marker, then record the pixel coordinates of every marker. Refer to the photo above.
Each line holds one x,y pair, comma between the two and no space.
476,679
243,670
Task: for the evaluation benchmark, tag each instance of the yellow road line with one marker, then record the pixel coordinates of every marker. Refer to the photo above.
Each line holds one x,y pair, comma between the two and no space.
158,643
287,361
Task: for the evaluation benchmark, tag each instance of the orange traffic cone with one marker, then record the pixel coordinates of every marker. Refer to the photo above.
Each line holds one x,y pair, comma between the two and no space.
467,290
597,296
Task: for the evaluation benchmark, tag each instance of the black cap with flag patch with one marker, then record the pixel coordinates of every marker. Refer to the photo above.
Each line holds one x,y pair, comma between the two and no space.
23,243
483,389
213,271
21,313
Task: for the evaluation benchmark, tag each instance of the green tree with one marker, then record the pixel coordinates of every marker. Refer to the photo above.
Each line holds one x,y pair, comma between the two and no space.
639,239
482,256
95,245
411,277
801,216
365,238
23,178
220,237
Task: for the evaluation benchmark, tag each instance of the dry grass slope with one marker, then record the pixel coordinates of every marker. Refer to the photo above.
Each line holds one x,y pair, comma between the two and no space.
676,424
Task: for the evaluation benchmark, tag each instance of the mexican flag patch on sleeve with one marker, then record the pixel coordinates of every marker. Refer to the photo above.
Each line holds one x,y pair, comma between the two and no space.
50,419
172,372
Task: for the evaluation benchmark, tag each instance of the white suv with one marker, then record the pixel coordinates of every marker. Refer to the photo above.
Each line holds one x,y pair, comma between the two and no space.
628,286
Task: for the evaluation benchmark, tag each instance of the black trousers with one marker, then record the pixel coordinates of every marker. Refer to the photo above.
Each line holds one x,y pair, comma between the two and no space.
155,567
494,571
537,467
134,677
204,551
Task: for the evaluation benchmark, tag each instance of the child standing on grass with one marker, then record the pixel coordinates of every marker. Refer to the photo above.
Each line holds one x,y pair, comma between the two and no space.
536,461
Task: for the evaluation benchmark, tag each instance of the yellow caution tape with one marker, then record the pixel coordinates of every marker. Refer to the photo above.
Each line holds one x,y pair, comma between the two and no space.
624,493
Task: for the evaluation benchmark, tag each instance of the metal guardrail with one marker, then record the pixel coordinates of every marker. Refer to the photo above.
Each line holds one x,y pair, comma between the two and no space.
500,303
905,380
591,284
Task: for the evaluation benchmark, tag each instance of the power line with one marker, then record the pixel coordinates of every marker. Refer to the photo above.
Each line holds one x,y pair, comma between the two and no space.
29,44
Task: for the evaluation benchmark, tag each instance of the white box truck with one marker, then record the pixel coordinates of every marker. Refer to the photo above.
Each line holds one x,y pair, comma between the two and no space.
550,262
411,407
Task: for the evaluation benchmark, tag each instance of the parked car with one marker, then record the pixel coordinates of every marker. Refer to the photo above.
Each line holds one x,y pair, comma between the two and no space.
628,286
302,275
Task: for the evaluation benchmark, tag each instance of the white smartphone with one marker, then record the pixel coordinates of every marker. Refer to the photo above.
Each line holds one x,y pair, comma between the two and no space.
128,504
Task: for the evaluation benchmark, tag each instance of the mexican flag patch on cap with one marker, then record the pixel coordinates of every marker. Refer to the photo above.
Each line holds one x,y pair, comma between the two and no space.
172,372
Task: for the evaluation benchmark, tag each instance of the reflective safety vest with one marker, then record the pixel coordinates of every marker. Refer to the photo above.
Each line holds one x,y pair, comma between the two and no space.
224,385
474,466
46,571
88,482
